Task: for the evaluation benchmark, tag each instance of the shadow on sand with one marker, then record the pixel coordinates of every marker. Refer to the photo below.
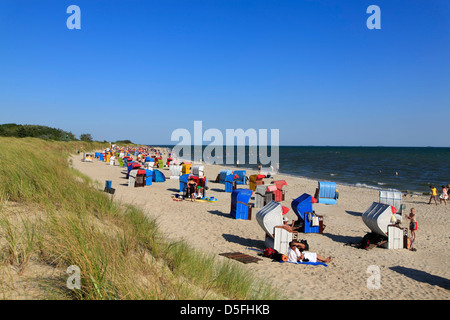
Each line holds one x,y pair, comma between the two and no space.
244,241
220,213
343,239
423,276
354,213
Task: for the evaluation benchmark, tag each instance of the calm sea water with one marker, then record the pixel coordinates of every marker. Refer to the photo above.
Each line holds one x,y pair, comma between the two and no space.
401,168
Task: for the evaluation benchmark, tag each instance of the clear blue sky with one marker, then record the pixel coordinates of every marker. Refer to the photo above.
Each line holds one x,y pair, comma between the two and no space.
140,69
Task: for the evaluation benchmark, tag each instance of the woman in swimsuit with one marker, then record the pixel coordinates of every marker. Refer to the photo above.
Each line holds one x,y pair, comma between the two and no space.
191,189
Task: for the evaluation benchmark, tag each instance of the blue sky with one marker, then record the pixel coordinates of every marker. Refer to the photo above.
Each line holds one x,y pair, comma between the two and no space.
140,69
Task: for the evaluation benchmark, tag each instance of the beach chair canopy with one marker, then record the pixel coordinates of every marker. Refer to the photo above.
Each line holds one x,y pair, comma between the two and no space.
148,177
223,174
270,216
201,181
186,168
378,217
303,209
392,198
198,171
254,180
240,207
327,192
262,196
183,182
241,177
302,205
175,170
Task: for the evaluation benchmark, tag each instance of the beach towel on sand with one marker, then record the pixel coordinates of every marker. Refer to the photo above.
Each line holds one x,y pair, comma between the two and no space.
310,263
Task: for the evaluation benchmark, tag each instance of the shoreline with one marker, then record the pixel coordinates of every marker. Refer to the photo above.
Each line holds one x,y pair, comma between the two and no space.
293,175
208,226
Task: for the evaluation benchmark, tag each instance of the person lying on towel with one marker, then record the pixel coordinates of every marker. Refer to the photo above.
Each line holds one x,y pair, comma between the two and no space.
296,254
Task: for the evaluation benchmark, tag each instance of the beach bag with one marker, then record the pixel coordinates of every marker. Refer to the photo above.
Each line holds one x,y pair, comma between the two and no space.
269,252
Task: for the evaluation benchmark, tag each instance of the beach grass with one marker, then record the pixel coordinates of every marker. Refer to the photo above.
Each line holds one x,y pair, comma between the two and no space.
55,216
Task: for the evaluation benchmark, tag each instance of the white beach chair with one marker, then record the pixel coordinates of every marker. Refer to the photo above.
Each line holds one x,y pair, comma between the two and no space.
270,219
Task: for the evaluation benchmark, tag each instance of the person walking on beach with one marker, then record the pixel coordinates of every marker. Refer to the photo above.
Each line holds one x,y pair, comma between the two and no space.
433,194
412,225
444,195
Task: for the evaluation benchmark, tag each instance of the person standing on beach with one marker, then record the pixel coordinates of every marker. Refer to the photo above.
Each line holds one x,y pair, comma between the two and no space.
444,195
433,194
412,225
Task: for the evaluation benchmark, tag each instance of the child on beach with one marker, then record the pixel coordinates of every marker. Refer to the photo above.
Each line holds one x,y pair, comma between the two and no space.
412,225
433,194
444,195
199,193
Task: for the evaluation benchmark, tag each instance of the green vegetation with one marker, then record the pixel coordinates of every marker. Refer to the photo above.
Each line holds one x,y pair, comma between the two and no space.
52,215
35,131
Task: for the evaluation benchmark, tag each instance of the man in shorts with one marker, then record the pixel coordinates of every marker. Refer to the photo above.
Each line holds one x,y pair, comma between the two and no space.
412,225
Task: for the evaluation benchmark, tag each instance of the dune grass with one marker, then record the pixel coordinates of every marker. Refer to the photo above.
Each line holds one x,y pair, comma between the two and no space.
64,221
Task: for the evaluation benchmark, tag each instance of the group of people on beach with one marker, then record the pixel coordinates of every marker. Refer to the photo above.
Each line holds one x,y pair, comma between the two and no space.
442,197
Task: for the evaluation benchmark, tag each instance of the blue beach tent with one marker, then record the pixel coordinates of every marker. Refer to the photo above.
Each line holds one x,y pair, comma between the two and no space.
158,176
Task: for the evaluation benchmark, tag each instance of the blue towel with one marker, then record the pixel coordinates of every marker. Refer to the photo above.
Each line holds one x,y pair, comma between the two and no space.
311,263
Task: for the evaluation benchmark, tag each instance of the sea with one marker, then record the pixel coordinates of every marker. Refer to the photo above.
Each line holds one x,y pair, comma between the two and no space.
407,169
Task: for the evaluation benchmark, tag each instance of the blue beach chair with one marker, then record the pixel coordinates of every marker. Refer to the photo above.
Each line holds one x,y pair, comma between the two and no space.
240,208
327,193
302,207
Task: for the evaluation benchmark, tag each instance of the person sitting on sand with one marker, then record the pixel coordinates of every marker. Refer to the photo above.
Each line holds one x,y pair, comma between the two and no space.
296,253
433,194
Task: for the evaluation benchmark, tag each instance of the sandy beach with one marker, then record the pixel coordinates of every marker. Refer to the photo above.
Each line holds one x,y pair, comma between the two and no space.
417,275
